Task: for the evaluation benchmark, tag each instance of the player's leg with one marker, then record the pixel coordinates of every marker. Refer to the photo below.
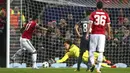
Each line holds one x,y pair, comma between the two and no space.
79,60
88,65
34,53
82,50
89,62
86,60
18,52
27,44
100,49
92,49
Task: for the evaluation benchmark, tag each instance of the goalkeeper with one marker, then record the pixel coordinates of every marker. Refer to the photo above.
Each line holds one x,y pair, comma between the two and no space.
73,51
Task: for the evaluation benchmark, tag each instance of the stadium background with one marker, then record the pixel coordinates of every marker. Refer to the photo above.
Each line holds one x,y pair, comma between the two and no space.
52,15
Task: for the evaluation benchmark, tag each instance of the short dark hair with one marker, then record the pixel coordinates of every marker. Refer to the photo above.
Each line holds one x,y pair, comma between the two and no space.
68,42
99,5
34,17
88,12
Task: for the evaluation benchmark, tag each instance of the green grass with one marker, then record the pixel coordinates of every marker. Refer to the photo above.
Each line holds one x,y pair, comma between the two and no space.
61,70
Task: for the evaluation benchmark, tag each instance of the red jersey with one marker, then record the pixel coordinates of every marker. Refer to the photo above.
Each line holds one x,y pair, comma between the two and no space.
99,19
29,29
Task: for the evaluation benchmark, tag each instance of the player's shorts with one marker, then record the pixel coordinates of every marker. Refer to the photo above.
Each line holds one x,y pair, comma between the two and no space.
97,42
25,43
84,44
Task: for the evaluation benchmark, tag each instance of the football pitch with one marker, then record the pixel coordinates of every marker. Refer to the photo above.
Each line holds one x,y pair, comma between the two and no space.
61,70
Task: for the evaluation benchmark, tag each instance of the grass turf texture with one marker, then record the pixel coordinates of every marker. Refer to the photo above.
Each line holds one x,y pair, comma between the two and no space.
61,70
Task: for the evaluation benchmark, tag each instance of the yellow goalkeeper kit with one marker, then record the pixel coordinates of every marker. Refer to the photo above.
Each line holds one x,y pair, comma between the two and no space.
74,52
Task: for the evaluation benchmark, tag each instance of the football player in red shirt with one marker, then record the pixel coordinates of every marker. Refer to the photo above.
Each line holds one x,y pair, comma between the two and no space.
99,20
27,32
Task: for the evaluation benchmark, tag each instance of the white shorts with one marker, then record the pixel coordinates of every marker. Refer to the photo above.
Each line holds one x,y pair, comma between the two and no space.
97,42
26,44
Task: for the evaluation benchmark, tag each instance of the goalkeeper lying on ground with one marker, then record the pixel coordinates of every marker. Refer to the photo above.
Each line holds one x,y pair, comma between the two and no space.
73,51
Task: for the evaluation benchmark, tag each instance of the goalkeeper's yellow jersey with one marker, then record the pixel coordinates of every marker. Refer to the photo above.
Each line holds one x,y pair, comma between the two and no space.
74,52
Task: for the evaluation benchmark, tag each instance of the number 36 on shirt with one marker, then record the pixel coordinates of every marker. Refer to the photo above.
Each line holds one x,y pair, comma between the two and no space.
100,20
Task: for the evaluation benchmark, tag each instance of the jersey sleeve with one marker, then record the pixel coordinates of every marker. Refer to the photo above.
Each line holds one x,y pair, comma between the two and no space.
36,24
66,56
74,51
91,18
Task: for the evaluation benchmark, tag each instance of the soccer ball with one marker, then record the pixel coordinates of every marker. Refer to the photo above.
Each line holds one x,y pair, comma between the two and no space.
45,64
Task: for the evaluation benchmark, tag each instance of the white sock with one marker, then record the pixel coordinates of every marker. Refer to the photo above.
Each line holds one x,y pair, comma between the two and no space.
91,57
100,58
34,59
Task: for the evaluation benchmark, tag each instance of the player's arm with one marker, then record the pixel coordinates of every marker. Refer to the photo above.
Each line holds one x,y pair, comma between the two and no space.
91,19
77,30
105,65
41,28
109,30
70,52
66,56
108,26
23,28
106,61
89,28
